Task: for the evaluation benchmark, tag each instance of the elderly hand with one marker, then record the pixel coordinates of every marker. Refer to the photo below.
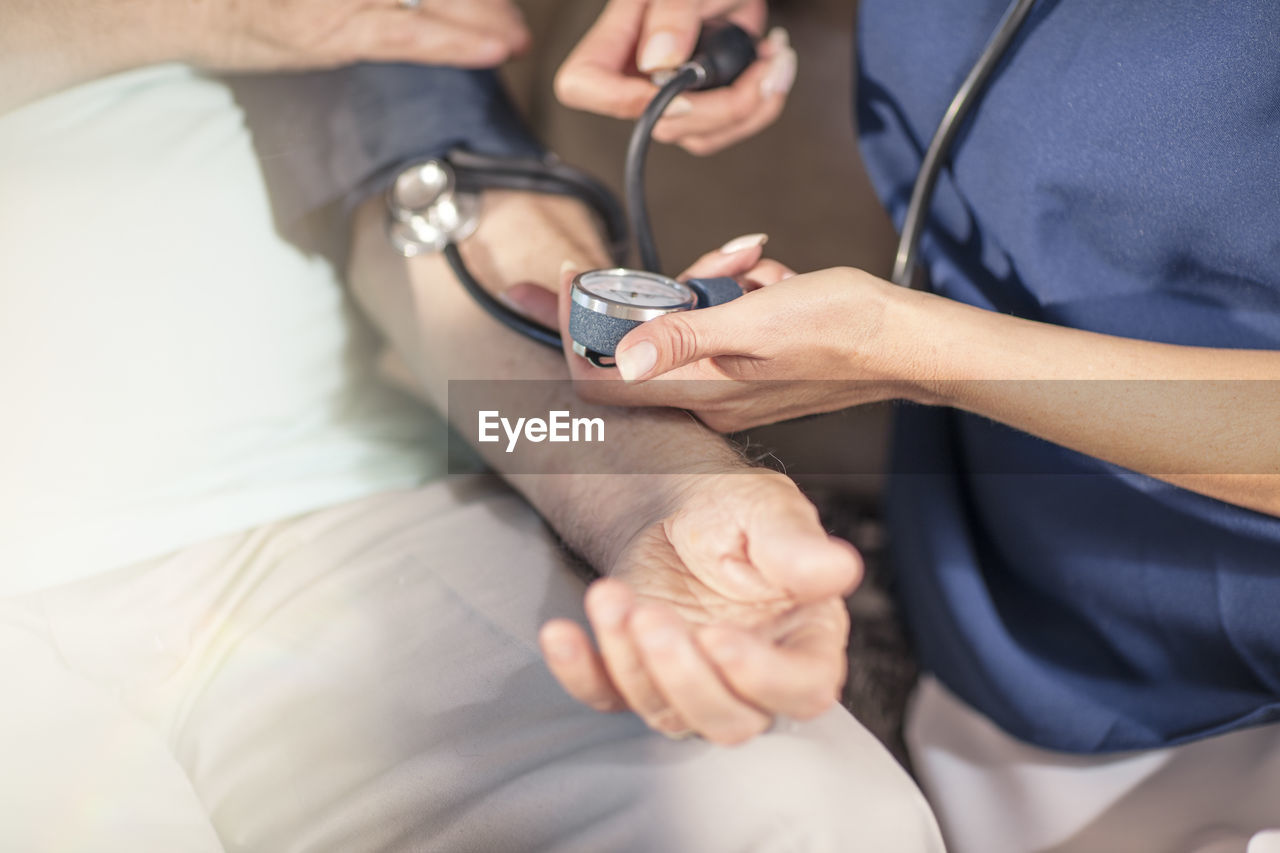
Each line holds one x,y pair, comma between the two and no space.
718,615
656,35
285,34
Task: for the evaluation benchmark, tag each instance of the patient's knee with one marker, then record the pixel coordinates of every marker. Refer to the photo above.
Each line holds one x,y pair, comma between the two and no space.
831,787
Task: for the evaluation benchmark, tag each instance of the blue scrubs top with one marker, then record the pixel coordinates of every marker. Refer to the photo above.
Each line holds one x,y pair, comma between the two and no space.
1122,175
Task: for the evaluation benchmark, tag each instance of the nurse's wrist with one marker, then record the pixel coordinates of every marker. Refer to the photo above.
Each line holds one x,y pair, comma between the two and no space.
893,351
942,345
917,315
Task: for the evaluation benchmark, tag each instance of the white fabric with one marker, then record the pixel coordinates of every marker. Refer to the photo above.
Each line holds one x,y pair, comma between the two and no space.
994,794
170,369
366,678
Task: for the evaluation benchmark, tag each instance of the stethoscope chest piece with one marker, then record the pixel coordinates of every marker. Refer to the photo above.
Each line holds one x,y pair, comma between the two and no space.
607,304
427,211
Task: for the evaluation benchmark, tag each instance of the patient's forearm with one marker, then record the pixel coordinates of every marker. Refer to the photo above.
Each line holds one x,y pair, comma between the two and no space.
48,45
441,334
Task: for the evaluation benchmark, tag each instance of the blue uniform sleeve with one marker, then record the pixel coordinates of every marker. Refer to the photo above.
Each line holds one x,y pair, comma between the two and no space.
327,139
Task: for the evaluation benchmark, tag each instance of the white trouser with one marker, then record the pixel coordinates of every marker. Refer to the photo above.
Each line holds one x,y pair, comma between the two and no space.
366,678
994,794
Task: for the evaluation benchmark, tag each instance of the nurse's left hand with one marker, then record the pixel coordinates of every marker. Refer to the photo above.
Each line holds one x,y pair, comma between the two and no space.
794,345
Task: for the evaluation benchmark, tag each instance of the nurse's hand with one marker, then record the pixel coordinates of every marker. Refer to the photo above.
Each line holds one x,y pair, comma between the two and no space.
608,72
807,344
721,612
794,345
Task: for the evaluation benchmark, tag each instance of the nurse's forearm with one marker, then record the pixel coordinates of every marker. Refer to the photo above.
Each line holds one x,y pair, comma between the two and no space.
48,45
1204,419
440,334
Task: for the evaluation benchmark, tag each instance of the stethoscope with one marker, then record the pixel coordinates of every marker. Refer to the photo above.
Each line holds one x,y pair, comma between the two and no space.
434,205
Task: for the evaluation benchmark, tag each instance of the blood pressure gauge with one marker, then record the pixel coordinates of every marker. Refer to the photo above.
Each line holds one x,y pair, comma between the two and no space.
609,303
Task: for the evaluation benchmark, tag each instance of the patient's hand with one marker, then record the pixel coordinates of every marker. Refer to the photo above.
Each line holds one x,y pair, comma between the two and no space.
234,35
719,614
47,45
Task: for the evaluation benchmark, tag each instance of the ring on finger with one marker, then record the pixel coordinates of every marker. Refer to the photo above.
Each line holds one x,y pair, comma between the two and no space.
411,5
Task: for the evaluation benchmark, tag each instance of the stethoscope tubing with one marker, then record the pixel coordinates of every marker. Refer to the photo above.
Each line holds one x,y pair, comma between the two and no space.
966,98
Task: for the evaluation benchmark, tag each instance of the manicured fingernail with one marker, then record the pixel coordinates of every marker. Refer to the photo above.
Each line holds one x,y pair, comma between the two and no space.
741,244
567,267
781,76
681,106
779,39
659,52
635,362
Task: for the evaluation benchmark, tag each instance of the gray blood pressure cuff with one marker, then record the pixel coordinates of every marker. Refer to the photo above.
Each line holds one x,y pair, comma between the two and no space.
327,139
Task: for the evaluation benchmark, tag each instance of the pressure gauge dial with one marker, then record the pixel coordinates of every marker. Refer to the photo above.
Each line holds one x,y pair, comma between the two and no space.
606,304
